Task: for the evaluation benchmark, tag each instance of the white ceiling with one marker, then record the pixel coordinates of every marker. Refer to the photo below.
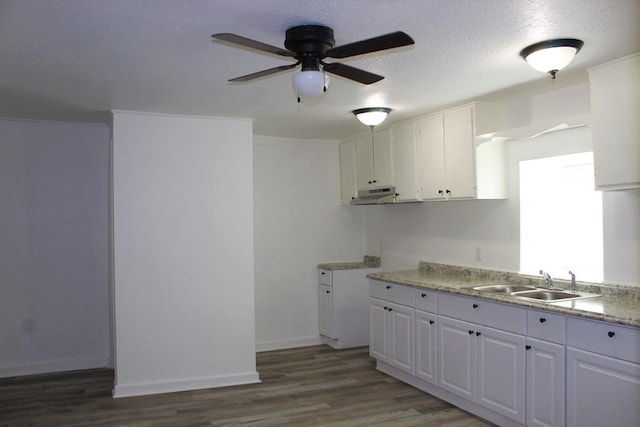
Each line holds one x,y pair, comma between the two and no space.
78,59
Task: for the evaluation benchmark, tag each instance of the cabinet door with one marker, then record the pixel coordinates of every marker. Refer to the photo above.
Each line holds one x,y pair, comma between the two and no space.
615,108
382,158
426,346
545,384
325,310
457,357
378,335
405,173
501,372
364,162
601,390
459,152
402,349
348,190
430,136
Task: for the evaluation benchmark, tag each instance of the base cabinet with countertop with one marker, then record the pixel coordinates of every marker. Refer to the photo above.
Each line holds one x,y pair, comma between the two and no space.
506,362
343,315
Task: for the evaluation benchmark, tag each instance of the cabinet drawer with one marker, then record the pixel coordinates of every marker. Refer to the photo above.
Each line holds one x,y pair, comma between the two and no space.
604,338
545,326
483,312
324,276
426,300
392,292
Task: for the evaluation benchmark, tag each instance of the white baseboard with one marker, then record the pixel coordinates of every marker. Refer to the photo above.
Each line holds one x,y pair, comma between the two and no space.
289,343
58,365
141,389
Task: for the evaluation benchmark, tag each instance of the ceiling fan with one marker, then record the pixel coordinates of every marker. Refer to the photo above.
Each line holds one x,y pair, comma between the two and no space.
309,45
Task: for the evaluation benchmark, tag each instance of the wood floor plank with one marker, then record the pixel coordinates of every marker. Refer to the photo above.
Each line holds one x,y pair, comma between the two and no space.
309,386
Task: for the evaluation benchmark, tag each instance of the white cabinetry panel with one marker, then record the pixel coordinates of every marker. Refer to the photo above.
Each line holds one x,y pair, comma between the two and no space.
459,147
615,108
378,331
373,160
501,372
343,309
405,172
348,189
325,310
545,384
601,390
457,357
401,325
426,346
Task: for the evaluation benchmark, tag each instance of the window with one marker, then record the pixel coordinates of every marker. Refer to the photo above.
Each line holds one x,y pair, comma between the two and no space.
561,217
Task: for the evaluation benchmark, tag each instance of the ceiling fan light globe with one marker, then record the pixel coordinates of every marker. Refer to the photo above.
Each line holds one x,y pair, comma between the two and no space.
309,83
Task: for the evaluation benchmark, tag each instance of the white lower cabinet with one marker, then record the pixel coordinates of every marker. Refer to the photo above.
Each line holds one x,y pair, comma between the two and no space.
401,353
601,390
545,383
603,374
426,346
378,330
343,313
391,334
483,365
510,365
325,310
545,369
501,372
457,357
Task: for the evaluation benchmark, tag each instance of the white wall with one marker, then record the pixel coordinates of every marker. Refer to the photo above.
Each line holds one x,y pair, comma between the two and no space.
183,253
450,232
54,306
298,224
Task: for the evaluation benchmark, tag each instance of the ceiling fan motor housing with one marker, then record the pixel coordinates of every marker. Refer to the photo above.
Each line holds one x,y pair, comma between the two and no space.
310,44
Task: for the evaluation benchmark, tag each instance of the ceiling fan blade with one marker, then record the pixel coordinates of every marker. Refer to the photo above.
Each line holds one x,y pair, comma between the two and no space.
352,73
264,73
387,41
251,44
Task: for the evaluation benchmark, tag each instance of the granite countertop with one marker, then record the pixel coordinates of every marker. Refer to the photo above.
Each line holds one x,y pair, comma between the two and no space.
367,262
617,304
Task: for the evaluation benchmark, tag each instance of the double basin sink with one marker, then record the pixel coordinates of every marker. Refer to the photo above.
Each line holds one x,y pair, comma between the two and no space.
535,294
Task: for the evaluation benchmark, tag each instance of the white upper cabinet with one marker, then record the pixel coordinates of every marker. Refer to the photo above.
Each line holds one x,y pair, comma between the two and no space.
615,109
455,162
404,157
348,190
373,160
430,135
447,155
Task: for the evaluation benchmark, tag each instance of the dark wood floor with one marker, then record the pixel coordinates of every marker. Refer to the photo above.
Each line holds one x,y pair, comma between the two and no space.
300,387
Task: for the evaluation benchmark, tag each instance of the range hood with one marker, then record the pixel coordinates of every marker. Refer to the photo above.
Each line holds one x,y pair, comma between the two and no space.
375,196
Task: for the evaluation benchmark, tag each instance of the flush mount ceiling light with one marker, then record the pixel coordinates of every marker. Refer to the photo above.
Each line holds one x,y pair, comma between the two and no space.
372,116
551,56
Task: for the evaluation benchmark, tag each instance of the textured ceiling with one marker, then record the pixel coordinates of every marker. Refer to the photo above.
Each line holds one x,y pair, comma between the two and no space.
78,59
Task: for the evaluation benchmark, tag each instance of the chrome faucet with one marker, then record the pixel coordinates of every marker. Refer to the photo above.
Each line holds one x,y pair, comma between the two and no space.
547,279
573,281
